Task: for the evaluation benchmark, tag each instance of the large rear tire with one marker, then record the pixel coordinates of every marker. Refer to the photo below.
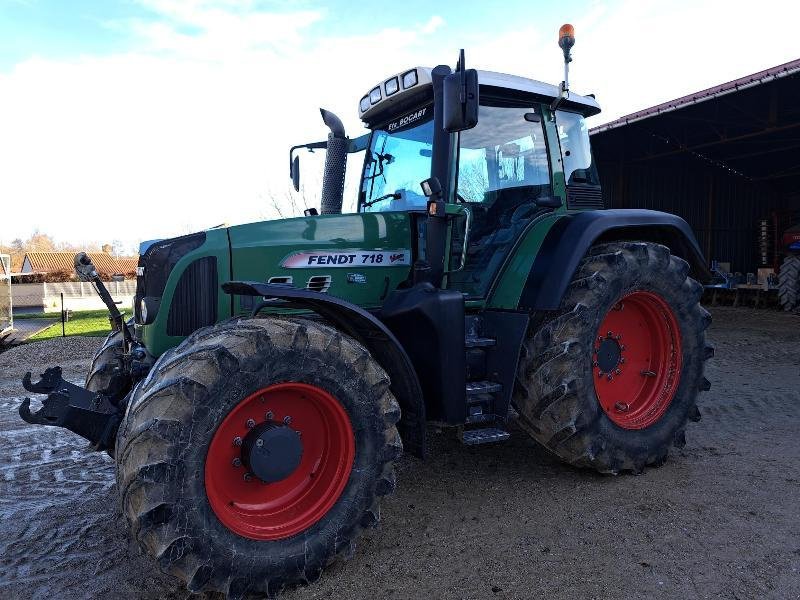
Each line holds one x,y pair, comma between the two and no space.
198,503
789,283
610,380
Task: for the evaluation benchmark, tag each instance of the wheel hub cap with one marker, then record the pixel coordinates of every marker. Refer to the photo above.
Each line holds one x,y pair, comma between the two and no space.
271,451
608,353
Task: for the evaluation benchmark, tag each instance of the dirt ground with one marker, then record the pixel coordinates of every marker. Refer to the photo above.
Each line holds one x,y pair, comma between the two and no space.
720,520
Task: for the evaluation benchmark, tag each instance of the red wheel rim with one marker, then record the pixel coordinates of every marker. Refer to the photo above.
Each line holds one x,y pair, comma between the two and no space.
637,360
273,511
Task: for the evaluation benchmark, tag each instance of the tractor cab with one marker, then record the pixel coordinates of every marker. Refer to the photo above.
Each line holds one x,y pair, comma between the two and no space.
526,154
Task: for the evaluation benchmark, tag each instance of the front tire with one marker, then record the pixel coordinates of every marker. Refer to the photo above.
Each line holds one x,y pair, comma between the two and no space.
106,364
185,491
610,380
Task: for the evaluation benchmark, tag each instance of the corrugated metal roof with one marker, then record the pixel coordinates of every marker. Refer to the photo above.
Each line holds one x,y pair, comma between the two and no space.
51,262
764,76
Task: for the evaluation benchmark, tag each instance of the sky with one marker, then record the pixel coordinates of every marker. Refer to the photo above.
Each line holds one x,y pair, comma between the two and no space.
128,120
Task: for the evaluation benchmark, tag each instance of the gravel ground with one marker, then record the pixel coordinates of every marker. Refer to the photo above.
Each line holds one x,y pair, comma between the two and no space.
720,520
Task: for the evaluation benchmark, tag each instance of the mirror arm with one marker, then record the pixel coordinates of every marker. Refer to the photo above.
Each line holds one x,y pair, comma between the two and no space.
311,146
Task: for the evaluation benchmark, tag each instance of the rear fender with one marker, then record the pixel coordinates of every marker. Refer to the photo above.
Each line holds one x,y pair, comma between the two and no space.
369,331
570,238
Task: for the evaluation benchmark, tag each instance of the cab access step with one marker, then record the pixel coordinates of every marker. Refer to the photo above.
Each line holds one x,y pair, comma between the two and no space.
481,394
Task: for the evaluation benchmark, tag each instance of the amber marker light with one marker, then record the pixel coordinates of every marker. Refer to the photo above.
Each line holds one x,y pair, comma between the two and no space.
566,36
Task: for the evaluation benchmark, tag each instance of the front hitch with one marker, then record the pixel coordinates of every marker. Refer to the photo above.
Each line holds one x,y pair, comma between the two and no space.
89,414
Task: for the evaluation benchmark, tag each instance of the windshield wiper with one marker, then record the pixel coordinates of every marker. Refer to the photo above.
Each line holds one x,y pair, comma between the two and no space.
394,195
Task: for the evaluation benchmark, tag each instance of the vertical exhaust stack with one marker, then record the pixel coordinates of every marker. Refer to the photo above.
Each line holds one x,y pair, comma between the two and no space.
335,165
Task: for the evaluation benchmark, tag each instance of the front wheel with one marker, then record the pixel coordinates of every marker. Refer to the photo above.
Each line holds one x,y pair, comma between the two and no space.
255,453
611,379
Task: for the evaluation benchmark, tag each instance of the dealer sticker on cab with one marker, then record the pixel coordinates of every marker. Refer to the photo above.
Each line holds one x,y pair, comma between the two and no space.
314,259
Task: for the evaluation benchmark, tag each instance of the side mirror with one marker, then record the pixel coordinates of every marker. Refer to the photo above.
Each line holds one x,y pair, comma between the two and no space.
296,173
461,98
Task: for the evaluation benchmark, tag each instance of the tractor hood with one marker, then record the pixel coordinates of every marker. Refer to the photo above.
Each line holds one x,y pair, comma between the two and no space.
357,257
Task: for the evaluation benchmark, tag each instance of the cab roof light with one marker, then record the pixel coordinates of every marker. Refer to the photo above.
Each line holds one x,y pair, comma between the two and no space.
364,104
409,79
375,95
391,86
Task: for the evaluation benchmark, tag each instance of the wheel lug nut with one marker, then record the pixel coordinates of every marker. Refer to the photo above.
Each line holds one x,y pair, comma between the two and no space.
622,360
287,419
621,407
622,348
237,441
594,364
617,371
259,442
237,462
248,476
299,433
600,374
610,334
250,423
610,377
269,415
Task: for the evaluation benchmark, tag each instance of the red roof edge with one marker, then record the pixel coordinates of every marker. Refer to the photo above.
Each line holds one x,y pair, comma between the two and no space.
747,81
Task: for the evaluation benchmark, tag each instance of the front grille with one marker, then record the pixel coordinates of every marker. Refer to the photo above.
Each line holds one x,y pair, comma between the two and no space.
157,263
584,197
194,303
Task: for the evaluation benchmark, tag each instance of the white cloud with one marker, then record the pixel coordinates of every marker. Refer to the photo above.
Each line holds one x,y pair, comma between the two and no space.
434,23
193,128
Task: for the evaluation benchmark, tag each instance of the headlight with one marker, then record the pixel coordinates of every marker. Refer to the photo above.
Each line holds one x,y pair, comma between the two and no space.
391,86
375,95
409,79
143,310
364,104
148,309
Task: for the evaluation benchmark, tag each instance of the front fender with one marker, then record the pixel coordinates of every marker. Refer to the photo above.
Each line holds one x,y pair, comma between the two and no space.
369,331
570,238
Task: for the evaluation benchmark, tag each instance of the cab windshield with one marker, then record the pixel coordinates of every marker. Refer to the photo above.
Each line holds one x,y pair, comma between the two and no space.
397,160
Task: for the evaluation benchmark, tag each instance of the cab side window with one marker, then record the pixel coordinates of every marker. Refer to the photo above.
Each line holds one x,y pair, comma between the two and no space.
503,159
576,152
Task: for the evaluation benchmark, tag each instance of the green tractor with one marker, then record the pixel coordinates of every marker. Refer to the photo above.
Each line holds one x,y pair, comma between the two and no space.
273,372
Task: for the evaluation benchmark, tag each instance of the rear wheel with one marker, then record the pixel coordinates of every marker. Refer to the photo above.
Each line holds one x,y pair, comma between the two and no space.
610,380
789,282
255,453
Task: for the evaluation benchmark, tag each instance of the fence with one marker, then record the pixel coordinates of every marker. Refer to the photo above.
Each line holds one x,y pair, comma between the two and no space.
6,319
77,295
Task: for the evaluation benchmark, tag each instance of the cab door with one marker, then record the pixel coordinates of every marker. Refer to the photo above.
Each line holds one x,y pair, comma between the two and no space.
504,181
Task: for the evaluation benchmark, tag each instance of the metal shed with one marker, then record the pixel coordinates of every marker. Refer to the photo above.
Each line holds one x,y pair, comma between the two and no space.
726,159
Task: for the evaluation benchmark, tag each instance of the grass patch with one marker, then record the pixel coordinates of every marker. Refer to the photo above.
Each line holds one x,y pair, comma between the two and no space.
93,323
